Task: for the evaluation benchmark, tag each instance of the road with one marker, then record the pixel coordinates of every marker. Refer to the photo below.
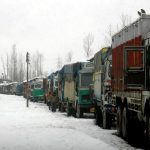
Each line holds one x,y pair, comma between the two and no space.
38,128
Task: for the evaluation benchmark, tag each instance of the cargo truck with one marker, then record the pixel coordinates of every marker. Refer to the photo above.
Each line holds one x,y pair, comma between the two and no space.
71,86
76,88
105,107
37,92
131,77
84,91
67,86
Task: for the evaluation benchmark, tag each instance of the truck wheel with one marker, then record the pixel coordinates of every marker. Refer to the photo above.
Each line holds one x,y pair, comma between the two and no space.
124,123
119,122
59,107
68,109
62,107
49,105
148,129
106,120
98,116
68,112
53,108
79,113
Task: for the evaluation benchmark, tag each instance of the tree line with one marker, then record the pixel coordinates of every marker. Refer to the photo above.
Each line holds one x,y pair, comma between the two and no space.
14,65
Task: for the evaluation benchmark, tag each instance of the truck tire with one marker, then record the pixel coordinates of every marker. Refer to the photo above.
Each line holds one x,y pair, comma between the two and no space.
119,121
98,117
124,123
49,105
53,107
69,109
79,112
59,107
106,120
62,108
148,130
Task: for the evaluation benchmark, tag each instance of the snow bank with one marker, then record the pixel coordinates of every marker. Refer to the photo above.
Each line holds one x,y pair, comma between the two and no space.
37,128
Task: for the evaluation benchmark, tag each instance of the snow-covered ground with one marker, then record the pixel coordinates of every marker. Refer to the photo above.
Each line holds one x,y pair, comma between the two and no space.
37,128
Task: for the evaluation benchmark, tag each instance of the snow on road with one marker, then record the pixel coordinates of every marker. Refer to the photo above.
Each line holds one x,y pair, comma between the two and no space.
37,128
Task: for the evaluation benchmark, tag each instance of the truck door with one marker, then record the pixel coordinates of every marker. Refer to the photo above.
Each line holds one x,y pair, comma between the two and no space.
134,67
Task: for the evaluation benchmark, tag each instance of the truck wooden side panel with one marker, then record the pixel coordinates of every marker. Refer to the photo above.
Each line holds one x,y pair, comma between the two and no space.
132,35
69,90
118,65
97,85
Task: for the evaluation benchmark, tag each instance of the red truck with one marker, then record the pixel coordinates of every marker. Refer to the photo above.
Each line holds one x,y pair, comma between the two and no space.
131,77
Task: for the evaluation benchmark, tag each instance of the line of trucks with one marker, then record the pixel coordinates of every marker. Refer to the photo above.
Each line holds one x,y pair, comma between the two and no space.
114,84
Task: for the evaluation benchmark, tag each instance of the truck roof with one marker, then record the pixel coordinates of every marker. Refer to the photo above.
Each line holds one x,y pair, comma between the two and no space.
88,68
138,28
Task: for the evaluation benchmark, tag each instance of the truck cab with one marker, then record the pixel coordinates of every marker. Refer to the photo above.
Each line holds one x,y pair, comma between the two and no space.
84,91
104,103
37,92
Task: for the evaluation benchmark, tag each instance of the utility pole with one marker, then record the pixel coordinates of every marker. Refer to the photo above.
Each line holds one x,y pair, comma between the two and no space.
27,61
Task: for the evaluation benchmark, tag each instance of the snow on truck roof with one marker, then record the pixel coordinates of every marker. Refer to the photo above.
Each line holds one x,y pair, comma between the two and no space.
88,68
35,78
8,83
139,28
143,17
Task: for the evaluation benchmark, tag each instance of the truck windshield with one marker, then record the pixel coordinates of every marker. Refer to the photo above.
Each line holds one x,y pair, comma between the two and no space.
38,86
86,79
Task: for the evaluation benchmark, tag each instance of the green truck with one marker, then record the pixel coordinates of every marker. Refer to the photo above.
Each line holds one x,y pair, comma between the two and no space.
78,88
84,91
37,91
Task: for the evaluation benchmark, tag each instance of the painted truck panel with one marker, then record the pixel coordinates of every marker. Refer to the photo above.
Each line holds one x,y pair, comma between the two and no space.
69,90
130,78
100,70
131,35
84,97
97,85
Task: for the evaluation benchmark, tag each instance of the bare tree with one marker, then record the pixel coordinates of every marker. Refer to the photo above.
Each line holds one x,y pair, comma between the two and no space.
4,69
45,73
40,63
14,62
36,64
69,57
87,43
7,65
11,68
125,20
21,71
59,62
108,36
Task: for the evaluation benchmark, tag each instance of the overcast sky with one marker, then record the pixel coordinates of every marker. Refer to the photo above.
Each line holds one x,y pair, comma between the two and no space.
55,27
